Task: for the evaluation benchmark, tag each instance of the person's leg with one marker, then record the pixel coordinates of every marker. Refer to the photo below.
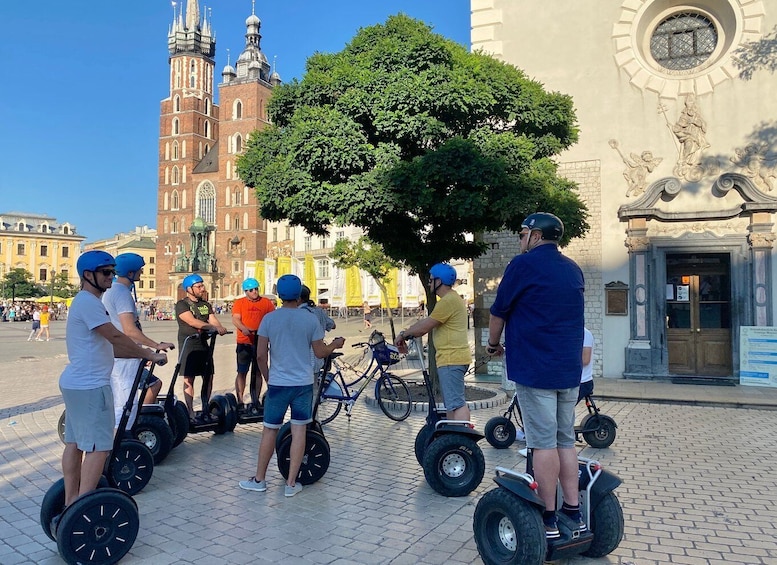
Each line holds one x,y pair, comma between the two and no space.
266,449
71,471
188,394
301,416
452,386
565,439
152,392
47,333
91,471
240,386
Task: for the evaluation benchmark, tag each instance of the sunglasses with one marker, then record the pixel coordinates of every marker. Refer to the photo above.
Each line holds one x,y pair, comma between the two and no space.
107,272
252,290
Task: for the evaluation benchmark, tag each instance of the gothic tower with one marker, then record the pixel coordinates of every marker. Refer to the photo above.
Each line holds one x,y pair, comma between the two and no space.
207,220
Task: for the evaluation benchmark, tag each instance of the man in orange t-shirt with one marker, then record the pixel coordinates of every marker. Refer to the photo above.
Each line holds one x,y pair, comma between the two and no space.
247,314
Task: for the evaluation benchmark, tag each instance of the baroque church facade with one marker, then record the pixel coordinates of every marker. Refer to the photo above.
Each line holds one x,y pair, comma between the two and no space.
677,164
207,219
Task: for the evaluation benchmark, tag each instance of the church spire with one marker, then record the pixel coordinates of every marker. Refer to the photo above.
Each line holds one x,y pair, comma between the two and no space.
191,35
192,15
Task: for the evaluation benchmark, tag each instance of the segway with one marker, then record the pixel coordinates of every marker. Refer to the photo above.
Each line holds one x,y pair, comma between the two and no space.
447,450
315,461
216,415
508,522
249,412
597,429
102,525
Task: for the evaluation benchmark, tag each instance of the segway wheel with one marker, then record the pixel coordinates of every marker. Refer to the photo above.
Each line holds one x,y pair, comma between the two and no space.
454,465
61,427
604,433
315,462
180,422
231,400
130,467
422,442
54,502
508,529
393,397
155,434
500,432
218,407
100,527
606,525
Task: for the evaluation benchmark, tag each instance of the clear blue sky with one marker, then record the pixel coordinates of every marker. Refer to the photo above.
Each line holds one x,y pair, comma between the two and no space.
82,83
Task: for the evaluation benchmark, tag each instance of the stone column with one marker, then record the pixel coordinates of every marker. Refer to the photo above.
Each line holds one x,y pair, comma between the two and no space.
761,240
638,351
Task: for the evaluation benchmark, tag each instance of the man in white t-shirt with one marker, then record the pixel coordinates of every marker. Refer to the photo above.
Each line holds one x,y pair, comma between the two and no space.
587,376
92,342
122,309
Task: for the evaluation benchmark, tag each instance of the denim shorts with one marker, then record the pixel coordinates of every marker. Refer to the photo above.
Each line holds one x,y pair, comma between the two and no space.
548,416
452,386
89,420
279,398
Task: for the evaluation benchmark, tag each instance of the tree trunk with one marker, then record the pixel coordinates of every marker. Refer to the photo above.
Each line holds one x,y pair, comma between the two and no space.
384,293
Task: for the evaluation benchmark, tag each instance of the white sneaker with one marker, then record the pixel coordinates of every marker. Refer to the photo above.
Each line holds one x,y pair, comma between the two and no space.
519,435
291,491
523,452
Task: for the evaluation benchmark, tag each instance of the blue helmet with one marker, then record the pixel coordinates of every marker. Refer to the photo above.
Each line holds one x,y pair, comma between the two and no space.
289,287
250,284
190,281
127,263
444,272
93,260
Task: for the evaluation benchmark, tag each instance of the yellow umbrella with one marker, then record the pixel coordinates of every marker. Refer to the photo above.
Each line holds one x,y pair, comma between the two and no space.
47,299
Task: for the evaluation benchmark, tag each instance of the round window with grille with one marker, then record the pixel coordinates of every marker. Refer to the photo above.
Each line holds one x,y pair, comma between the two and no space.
683,41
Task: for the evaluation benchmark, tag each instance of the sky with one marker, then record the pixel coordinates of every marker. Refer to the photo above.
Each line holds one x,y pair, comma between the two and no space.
83,82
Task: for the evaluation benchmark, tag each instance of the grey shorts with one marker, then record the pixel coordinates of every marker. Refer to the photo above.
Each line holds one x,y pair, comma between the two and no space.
89,421
452,386
548,416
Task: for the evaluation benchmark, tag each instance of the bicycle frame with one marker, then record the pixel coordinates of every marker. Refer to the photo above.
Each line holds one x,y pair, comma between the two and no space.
350,393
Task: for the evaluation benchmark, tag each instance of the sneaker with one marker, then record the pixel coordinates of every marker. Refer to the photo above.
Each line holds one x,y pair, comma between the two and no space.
253,484
551,530
519,435
523,452
577,518
291,491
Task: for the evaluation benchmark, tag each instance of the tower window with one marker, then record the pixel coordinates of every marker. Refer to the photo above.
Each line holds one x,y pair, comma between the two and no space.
683,41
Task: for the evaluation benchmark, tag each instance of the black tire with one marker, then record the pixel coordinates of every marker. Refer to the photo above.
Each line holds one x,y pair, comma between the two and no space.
283,431
53,503
500,432
329,408
315,462
422,442
130,467
454,465
603,436
180,421
100,527
508,530
393,397
606,525
232,403
61,427
231,400
154,433
218,408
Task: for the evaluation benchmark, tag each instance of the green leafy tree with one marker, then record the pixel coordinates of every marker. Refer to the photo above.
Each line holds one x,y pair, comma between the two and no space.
370,258
19,283
62,286
417,141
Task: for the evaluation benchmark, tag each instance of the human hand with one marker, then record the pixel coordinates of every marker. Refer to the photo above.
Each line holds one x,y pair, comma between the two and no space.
221,329
159,358
165,346
495,351
338,342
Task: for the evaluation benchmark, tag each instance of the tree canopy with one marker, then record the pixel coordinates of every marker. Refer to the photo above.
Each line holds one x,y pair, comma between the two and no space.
420,143
20,283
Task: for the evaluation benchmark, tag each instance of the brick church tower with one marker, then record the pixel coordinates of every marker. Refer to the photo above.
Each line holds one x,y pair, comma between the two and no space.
208,221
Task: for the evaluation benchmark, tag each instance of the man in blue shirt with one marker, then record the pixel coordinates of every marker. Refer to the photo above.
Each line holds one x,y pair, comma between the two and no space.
539,304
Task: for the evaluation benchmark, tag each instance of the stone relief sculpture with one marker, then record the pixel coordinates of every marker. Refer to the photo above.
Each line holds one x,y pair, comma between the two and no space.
689,133
637,168
752,161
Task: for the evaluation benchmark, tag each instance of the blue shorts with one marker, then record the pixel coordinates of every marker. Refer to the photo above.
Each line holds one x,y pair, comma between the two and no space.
244,354
452,386
278,400
89,421
548,416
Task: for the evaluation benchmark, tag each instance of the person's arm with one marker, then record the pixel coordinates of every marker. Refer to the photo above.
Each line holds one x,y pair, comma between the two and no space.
214,321
495,327
188,318
421,327
237,321
587,352
262,356
125,348
322,350
129,328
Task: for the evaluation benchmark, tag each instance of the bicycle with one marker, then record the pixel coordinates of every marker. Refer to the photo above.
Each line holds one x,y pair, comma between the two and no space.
391,392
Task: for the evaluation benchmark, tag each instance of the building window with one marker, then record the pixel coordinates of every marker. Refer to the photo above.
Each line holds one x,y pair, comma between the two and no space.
151,284
235,266
20,250
66,230
206,203
308,243
237,112
44,250
683,41
207,128
65,252
175,150
175,126
288,232
43,275
339,235
152,260
177,106
175,200
324,242
140,284
275,234
176,176
151,269
323,269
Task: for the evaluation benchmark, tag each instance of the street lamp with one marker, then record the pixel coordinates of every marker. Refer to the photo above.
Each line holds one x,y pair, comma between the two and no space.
51,300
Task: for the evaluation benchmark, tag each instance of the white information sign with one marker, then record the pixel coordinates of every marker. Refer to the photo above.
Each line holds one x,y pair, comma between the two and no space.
758,356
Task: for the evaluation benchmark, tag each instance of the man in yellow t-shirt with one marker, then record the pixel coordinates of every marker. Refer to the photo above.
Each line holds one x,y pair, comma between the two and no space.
448,324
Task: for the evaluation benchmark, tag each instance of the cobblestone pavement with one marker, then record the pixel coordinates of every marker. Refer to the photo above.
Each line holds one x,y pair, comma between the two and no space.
698,484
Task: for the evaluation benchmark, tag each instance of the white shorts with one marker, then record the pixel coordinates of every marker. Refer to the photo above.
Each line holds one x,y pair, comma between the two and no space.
122,379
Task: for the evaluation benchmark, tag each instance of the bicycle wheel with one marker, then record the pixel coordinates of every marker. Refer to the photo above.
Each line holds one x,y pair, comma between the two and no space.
330,402
393,397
